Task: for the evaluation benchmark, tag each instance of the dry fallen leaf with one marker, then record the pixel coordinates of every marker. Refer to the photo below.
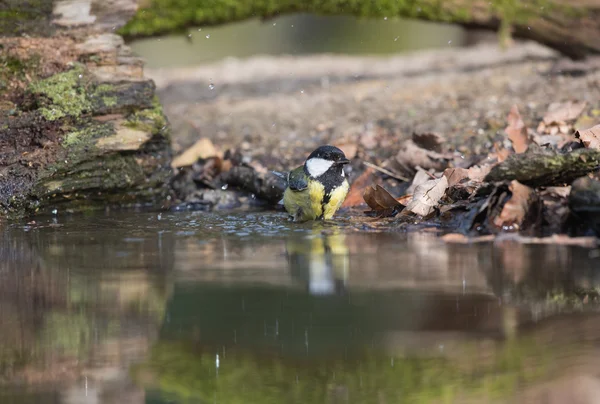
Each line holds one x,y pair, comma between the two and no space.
515,210
426,196
590,137
411,155
380,200
455,175
516,131
421,177
560,112
357,189
202,149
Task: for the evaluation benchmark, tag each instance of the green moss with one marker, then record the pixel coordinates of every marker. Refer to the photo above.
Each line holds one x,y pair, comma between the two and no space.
150,119
109,101
66,93
163,16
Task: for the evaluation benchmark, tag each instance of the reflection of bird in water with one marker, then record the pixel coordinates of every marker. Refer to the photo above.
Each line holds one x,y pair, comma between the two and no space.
320,261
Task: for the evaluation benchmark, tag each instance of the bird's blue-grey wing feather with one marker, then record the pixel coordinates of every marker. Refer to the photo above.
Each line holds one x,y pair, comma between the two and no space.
297,180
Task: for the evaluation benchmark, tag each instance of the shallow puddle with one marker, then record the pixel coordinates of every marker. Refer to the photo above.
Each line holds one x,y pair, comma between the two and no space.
196,307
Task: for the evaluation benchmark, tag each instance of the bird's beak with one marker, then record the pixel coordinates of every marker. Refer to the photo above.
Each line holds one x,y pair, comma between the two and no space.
343,162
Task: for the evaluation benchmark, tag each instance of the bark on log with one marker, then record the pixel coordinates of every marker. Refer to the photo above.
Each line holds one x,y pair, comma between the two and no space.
572,27
546,169
80,126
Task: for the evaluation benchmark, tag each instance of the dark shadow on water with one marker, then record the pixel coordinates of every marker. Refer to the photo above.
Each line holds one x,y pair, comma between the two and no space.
248,307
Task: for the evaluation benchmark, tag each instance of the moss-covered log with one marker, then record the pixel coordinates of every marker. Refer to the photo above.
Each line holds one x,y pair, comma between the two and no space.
80,126
568,26
546,168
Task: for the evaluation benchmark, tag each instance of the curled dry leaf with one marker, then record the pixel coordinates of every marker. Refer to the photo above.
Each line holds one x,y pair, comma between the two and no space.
202,149
380,200
560,112
357,189
590,137
427,195
516,209
517,131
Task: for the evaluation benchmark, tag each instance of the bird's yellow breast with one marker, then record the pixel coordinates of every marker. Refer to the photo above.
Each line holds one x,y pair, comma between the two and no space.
308,204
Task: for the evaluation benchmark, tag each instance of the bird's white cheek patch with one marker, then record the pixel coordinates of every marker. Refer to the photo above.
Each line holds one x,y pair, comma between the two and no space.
317,166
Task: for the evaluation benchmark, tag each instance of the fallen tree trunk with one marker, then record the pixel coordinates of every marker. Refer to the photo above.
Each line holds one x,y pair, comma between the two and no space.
571,27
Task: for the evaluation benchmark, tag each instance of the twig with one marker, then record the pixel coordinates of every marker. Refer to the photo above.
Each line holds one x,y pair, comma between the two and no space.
386,172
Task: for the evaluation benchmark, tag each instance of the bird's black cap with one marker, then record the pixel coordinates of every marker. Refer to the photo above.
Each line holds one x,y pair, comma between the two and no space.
330,153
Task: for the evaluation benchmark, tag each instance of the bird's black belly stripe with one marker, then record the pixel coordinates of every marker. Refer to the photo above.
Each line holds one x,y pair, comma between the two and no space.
324,202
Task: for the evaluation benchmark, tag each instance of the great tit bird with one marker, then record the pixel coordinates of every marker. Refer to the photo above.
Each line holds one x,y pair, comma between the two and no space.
318,188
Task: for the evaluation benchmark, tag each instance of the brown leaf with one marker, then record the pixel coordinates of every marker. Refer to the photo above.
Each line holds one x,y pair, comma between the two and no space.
357,189
516,131
455,175
429,141
410,156
426,196
202,149
564,111
379,199
515,210
405,199
590,137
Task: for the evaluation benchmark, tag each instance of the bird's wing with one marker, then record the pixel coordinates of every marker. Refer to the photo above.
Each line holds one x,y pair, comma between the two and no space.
297,179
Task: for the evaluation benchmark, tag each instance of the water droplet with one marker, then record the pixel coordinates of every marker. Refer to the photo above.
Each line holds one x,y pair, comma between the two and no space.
211,86
224,187
54,211
217,361
207,36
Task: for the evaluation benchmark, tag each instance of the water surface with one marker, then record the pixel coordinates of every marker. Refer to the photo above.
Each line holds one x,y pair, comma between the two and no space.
195,307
